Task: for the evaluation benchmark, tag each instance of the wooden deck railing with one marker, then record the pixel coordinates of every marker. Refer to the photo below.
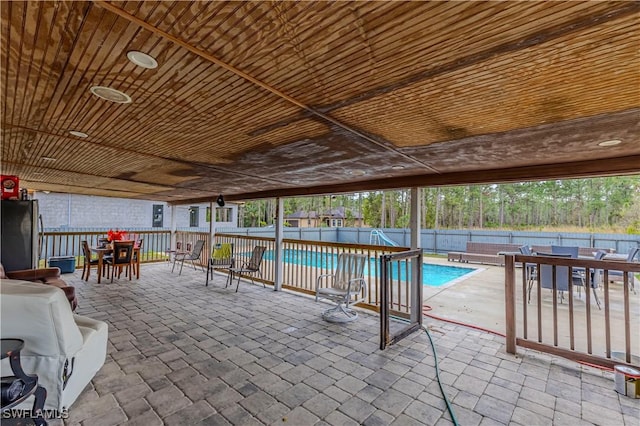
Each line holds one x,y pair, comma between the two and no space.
305,260
61,243
574,327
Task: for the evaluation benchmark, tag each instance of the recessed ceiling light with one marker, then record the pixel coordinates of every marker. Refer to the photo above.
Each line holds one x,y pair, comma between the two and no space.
357,172
78,134
110,94
612,142
398,167
49,159
142,59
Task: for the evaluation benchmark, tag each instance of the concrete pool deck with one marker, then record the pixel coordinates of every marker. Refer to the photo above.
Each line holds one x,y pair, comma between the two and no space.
476,298
479,299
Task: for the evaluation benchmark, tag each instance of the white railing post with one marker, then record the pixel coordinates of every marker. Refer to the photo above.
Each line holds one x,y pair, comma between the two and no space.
279,258
172,244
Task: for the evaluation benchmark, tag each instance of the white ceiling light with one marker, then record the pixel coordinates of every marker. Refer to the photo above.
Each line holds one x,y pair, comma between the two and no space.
357,172
142,59
612,142
78,134
110,94
398,167
49,159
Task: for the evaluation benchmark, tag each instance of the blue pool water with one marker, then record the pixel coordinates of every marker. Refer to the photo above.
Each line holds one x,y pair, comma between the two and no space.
432,275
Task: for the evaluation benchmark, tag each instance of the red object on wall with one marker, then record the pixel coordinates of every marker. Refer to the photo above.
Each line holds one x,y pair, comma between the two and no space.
10,186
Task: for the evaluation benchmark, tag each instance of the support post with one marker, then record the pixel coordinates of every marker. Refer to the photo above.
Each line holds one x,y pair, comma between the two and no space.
415,218
172,243
279,251
416,282
510,302
212,225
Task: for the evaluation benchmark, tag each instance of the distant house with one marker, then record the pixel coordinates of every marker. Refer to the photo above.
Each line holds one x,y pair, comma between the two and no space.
340,216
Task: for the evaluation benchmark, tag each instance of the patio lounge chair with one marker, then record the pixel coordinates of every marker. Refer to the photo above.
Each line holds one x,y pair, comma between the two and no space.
221,258
192,256
251,267
344,287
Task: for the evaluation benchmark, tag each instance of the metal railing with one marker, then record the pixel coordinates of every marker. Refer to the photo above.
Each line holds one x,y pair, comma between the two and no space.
573,326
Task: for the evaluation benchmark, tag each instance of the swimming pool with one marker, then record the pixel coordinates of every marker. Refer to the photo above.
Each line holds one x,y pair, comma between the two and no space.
432,275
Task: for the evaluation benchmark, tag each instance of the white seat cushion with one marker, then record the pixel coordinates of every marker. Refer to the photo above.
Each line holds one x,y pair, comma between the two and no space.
54,338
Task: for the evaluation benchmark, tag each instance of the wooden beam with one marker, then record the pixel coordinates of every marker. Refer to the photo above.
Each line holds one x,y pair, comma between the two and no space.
616,166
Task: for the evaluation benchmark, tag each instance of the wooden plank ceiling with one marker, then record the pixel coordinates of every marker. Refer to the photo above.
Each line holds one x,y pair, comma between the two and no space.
256,99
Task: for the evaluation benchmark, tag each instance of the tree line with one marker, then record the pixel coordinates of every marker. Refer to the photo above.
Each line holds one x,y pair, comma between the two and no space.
609,203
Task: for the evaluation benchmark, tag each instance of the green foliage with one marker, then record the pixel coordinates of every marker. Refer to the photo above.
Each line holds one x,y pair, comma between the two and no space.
594,204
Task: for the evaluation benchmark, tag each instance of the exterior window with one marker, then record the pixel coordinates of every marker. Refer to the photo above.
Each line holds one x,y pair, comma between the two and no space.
309,222
336,222
193,216
158,213
223,214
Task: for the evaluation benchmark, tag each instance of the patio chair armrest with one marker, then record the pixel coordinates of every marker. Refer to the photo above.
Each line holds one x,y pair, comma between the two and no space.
320,277
361,286
350,291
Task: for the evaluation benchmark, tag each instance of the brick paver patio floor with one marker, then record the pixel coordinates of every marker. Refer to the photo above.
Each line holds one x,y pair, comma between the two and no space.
181,353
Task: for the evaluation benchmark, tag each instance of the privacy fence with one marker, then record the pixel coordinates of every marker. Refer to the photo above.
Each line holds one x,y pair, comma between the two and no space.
443,241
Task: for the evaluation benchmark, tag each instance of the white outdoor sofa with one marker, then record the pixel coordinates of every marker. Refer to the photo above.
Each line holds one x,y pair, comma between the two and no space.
64,350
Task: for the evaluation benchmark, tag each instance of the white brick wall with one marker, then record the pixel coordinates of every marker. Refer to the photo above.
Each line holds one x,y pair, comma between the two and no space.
85,211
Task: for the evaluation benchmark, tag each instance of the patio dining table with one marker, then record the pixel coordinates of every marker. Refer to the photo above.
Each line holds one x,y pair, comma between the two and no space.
101,251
